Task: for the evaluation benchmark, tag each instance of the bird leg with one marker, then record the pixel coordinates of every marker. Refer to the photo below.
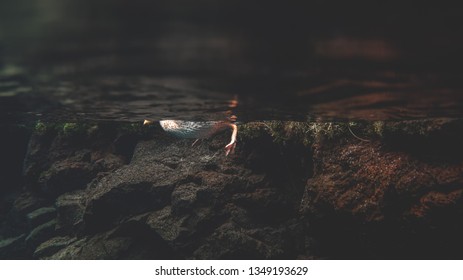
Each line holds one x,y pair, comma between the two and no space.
230,148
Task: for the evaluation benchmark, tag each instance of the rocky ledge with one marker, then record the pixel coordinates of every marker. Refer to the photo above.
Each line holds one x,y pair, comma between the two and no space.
291,190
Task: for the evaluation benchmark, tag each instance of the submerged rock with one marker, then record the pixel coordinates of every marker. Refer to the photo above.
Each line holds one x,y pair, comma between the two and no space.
51,246
27,202
70,208
64,176
40,234
127,241
139,187
66,157
41,216
291,190
186,196
385,200
13,248
168,227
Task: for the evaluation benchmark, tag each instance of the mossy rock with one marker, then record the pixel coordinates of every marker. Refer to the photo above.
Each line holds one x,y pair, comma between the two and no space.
283,132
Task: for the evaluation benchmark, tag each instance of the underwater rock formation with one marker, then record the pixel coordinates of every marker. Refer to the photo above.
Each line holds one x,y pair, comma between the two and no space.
167,200
291,190
400,195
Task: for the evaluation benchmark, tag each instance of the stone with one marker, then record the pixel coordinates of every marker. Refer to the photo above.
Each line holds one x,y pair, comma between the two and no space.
339,198
232,242
63,157
144,185
66,175
129,191
13,248
383,199
27,202
373,182
40,234
52,246
68,252
184,197
164,224
128,241
41,216
70,208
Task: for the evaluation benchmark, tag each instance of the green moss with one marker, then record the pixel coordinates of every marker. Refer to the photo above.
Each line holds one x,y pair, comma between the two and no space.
132,127
251,130
410,128
329,130
40,128
378,128
382,129
283,132
70,129
136,128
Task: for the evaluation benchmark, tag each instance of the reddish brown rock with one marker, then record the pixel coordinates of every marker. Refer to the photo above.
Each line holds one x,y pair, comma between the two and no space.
393,197
371,182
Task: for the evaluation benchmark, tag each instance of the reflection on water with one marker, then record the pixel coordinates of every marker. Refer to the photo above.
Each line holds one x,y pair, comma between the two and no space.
115,60
134,99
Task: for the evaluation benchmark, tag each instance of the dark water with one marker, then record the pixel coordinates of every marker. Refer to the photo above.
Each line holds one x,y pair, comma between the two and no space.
131,60
74,73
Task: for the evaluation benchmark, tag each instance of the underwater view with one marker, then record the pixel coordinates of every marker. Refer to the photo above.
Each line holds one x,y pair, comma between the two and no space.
179,129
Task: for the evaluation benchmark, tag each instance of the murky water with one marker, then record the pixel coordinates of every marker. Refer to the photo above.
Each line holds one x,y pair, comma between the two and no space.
371,167
127,62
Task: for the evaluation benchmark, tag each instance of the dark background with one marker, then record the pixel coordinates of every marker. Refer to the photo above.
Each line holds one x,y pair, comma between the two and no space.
231,37
294,60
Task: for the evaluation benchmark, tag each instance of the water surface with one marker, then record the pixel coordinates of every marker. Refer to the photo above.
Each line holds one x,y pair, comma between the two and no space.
128,61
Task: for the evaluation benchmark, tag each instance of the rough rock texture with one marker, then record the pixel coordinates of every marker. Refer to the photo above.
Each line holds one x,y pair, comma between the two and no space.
13,247
107,193
199,203
396,197
64,158
70,207
40,216
52,246
61,160
40,234
167,200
